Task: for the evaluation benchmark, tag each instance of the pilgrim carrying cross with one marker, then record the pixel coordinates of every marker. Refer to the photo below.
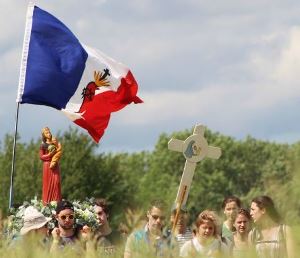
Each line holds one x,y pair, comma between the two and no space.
194,149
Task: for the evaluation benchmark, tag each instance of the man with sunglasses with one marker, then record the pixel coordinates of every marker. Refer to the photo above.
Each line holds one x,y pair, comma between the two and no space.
66,232
149,241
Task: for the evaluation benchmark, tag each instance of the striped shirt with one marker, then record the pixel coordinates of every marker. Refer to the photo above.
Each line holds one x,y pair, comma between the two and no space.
182,238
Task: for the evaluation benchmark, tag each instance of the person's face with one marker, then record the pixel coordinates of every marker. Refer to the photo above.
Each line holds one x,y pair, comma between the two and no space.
42,230
230,210
181,222
101,216
256,213
206,230
242,224
66,219
156,218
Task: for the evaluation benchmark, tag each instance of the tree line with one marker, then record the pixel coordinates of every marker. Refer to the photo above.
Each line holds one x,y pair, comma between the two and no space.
247,168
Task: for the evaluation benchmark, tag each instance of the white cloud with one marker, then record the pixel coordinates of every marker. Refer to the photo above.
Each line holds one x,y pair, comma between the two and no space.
230,66
289,61
232,106
278,71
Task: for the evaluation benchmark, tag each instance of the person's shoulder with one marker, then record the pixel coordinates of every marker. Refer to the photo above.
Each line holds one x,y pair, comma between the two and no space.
252,235
186,248
225,247
285,231
139,234
228,241
16,239
285,227
226,232
114,237
187,243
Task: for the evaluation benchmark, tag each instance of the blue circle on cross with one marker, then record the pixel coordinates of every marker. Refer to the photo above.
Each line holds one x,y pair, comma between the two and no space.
195,148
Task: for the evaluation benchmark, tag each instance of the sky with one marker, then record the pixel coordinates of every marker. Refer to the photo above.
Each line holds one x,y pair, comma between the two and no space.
230,65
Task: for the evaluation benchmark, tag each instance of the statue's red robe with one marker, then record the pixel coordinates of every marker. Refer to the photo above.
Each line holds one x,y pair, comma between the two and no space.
51,177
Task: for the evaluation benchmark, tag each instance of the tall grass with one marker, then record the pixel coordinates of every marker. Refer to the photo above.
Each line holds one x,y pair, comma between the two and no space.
32,248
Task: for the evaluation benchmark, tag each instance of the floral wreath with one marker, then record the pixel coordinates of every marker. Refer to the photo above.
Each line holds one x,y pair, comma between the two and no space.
84,214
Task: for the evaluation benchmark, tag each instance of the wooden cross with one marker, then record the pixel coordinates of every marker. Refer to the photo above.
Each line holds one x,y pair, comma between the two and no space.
194,149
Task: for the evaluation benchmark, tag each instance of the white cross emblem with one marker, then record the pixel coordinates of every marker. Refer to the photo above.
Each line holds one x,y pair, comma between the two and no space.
194,149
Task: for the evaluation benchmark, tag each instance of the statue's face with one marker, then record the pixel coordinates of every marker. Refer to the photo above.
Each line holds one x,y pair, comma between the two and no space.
47,134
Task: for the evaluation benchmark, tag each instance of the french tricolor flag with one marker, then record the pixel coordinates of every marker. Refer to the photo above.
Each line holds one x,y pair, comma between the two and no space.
58,71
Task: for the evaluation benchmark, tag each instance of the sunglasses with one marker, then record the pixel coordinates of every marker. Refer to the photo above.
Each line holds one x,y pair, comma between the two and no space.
156,217
64,217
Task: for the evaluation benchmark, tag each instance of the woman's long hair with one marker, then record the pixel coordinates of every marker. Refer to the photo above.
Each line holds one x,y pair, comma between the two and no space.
265,202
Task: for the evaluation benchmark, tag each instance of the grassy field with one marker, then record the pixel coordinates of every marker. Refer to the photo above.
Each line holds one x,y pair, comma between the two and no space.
34,248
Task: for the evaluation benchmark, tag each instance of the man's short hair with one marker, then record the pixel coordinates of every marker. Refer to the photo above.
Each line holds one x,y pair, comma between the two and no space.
101,202
63,205
157,204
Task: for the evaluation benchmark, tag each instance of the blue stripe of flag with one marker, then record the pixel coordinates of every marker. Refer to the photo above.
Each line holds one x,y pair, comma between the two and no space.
56,61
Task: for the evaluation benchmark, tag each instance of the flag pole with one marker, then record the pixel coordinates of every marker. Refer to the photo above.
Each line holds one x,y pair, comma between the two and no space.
11,190
25,51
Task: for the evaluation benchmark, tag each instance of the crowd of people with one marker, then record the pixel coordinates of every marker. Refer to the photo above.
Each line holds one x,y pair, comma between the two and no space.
258,232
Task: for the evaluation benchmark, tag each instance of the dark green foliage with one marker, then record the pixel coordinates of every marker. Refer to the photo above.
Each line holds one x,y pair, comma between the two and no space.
246,168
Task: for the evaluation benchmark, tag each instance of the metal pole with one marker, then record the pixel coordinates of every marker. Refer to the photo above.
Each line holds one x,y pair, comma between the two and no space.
11,191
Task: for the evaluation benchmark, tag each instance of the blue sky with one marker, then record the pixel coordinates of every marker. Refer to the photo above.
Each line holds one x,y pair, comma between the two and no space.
230,65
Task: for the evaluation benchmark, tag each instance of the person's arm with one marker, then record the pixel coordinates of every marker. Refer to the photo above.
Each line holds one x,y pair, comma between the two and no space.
90,245
185,249
128,247
56,239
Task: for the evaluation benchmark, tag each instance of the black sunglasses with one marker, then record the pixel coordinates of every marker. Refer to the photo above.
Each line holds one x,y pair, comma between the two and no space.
64,217
156,217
